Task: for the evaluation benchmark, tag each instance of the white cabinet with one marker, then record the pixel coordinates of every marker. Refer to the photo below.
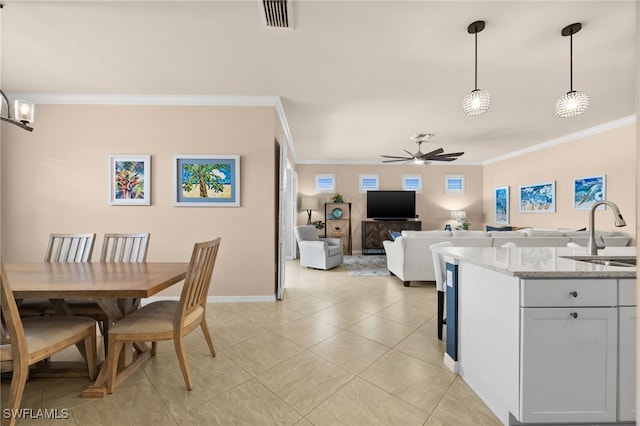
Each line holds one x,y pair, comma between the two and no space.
568,365
568,357
626,351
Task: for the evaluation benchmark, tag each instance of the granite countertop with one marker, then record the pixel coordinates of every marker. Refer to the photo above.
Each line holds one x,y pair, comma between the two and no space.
543,262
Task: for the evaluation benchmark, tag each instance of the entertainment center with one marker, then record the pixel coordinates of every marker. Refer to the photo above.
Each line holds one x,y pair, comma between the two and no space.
387,211
374,232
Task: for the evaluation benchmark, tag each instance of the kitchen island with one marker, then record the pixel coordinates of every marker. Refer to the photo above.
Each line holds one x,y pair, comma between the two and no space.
541,337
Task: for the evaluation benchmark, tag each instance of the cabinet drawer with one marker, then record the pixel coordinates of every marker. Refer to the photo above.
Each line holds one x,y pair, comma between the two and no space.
627,292
570,292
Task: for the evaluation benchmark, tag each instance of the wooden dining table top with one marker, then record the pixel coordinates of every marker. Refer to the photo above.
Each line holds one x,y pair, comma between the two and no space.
92,280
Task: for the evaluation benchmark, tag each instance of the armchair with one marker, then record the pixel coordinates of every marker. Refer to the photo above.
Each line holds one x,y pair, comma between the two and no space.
316,252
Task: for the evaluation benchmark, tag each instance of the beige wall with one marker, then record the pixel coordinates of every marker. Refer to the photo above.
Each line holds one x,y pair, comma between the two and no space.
55,180
612,153
433,205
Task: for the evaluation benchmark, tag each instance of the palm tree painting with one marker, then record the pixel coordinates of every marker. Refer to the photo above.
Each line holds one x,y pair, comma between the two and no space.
129,180
207,180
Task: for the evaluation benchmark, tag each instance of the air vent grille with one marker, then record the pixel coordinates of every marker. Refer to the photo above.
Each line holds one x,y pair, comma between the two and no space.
276,13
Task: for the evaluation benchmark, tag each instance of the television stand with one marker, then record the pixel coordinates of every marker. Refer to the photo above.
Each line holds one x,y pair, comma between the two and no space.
374,232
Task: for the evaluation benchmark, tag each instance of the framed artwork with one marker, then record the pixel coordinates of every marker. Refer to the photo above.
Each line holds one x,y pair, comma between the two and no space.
130,180
587,191
538,198
206,180
501,205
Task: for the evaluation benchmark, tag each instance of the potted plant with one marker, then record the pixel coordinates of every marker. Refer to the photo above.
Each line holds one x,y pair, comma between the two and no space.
337,198
318,224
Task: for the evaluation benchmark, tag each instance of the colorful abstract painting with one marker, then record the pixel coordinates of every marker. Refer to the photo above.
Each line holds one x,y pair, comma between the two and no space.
502,205
129,179
207,180
538,198
587,191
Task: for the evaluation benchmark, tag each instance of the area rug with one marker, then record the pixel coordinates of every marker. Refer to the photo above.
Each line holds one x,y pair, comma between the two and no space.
366,266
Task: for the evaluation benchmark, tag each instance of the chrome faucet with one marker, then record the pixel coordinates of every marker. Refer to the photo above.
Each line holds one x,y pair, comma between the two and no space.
592,246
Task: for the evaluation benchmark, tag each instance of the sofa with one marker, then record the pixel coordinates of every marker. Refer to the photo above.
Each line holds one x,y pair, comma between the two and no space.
410,259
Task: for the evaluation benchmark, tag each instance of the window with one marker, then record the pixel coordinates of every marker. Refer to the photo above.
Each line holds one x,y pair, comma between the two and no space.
454,183
326,183
369,183
412,183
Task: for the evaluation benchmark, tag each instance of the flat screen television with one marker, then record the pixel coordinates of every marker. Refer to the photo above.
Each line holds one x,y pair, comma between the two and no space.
390,205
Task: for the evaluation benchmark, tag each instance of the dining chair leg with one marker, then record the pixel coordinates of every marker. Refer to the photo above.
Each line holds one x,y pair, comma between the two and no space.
112,363
178,342
207,336
18,382
154,348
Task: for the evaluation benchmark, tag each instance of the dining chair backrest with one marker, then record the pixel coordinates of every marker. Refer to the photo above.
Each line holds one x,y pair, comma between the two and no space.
69,248
196,283
125,248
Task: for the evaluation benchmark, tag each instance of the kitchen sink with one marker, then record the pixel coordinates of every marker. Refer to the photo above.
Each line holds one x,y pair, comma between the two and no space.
628,261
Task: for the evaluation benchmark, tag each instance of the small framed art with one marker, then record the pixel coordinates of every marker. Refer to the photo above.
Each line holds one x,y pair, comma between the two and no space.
501,205
587,191
206,180
130,180
538,198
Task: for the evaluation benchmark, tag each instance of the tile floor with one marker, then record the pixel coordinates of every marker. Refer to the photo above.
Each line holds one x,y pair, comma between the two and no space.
337,350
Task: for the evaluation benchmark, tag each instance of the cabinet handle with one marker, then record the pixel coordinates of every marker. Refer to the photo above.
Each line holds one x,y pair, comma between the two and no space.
573,315
573,293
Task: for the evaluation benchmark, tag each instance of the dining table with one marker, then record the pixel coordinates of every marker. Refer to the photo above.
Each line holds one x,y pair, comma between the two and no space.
116,287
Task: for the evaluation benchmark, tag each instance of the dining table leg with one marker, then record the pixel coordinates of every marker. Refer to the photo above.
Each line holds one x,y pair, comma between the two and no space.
116,309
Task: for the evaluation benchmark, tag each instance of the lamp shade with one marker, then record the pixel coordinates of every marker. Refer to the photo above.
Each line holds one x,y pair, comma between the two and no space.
23,111
308,203
458,214
476,102
572,103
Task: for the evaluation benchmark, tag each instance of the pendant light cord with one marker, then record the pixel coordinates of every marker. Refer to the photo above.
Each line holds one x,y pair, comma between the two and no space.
476,67
571,62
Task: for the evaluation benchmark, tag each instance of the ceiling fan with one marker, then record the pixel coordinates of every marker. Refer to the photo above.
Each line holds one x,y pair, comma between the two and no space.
420,157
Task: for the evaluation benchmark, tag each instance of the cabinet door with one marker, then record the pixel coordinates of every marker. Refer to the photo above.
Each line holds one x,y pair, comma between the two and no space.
568,364
627,363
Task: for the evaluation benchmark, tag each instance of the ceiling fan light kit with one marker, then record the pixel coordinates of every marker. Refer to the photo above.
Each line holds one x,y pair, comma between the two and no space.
573,102
478,101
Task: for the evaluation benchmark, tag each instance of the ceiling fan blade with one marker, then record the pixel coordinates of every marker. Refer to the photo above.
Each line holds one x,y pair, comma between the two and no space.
453,154
443,158
396,161
411,154
432,153
394,156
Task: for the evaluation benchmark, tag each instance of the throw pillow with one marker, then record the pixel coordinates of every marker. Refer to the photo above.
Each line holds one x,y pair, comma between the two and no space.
394,234
499,228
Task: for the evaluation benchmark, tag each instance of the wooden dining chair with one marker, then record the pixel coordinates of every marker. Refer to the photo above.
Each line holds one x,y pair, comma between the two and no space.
124,247
61,248
69,248
33,339
116,247
169,319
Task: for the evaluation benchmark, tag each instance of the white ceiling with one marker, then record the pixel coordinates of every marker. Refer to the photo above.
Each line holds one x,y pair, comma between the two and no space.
356,78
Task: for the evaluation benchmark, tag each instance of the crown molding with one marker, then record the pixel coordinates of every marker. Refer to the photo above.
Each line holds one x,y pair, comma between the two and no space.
625,121
165,100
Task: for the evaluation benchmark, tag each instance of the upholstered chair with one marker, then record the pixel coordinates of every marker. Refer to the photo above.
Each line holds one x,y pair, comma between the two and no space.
316,252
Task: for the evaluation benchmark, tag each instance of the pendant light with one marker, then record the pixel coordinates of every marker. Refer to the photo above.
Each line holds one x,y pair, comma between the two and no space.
573,102
477,101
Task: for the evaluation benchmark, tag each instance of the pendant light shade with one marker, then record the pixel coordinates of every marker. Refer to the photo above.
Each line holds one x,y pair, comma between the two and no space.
573,102
477,101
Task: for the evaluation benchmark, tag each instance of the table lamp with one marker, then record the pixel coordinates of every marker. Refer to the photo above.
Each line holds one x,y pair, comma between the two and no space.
460,216
309,204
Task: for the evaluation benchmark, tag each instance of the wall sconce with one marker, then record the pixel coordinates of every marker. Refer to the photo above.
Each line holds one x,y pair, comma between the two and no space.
22,110
309,204
460,216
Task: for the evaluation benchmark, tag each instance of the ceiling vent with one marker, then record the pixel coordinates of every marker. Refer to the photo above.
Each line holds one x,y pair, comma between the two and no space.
277,13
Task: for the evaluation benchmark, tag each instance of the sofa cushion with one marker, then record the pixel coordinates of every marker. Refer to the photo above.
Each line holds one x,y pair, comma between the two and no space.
467,234
425,234
531,232
507,234
498,228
